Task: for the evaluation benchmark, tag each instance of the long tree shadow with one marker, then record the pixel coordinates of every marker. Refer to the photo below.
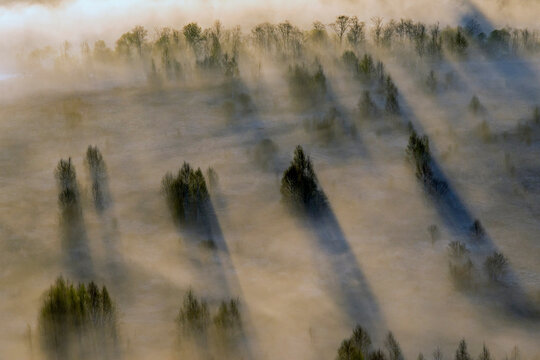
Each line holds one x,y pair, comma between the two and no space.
72,227
460,221
528,73
104,206
345,280
196,219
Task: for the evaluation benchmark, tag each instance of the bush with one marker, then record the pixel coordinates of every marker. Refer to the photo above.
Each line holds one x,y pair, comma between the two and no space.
477,230
460,265
228,315
496,266
299,186
475,107
98,176
194,316
187,196
223,329
457,250
77,321
461,273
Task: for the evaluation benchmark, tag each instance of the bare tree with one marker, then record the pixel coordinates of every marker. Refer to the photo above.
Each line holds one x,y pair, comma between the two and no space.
340,26
377,29
356,31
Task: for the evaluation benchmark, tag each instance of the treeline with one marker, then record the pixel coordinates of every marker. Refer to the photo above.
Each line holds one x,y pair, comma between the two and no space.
170,52
360,347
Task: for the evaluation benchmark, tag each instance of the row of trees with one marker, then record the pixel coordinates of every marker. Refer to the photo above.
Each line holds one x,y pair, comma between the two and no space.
359,347
215,47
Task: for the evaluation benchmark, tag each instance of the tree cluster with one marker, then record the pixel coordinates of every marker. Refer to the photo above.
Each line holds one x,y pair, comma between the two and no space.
78,321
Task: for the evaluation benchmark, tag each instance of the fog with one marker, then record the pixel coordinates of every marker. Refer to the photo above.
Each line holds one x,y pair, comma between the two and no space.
372,244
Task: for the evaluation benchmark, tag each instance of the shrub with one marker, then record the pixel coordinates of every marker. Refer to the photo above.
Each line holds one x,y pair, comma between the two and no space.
457,250
228,325
193,317
299,186
461,272
187,196
477,230
460,265
496,266
77,321
228,315
475,107
98,176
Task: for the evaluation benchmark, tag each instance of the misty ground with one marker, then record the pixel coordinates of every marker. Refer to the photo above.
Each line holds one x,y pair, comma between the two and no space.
303,283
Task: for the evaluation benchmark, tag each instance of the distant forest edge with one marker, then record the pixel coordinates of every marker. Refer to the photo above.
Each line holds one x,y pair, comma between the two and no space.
169,53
